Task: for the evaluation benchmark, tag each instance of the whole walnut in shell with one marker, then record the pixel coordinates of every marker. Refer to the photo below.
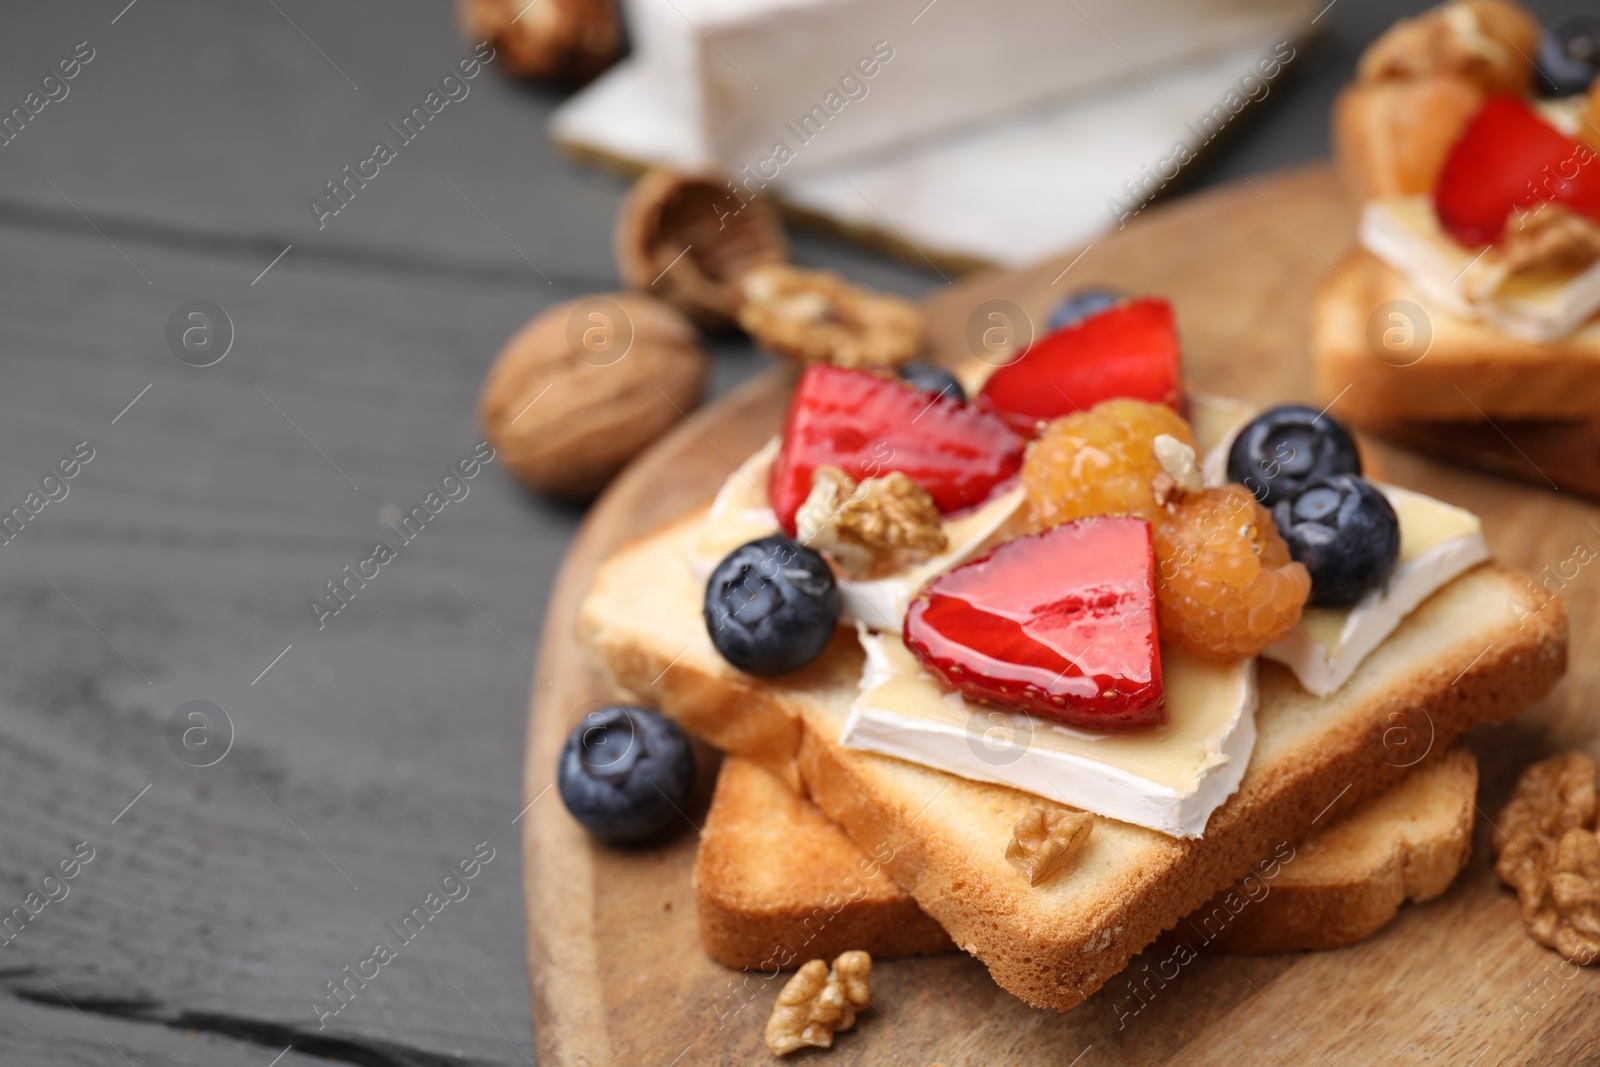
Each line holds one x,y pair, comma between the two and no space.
689,239
564,40
586,385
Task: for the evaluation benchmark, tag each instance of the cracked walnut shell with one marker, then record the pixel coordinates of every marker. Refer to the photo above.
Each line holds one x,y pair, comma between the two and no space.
689,239
1548,851
819,1002
564,40
586,385
870,528
1046,840
813,316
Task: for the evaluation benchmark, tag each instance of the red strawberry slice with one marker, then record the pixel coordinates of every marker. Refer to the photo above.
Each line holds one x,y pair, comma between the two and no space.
1060,624
1127,351
1508,157
870,426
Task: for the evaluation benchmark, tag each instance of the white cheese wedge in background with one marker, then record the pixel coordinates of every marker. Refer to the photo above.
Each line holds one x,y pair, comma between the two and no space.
838,78
1169,778
1113,144
1404,232
1438,542
740,513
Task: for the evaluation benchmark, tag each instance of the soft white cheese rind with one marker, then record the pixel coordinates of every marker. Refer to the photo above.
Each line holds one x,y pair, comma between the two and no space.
740,513
1404,232
948,743
1324,662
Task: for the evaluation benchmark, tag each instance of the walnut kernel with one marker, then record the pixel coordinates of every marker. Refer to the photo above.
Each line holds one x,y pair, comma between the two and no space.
1549,853
566,40
813,316
1046,840
819,1002
870,528
1548,238
689,239
1486,42
586,385
1180,472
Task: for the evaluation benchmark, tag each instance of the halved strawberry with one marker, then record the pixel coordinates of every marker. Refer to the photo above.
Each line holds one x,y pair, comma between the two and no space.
1127,351
870,426
1060,624
1509,157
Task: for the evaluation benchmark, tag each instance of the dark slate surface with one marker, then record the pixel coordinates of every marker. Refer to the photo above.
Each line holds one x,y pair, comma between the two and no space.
380,750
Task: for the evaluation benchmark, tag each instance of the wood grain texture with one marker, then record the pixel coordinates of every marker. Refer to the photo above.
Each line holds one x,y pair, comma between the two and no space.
616,972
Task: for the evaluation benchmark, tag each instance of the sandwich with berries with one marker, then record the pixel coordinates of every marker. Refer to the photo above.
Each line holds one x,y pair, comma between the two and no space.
1471,137
1071,656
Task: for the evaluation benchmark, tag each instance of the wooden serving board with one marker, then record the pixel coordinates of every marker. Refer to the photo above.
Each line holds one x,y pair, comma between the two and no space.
616,971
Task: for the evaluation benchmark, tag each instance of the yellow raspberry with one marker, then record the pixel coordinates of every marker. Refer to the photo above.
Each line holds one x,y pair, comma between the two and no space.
1099,462
1225,584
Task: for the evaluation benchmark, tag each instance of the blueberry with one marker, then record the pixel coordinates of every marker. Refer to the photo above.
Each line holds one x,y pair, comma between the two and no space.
1281,450
1569,55
1345,532
1075,307
771,606
625,773
933,378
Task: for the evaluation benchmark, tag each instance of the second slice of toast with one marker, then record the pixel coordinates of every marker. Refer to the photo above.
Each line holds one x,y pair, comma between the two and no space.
777,884
1461,658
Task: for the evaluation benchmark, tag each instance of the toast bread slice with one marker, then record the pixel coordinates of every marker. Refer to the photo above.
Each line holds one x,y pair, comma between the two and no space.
1470,371
777,884
1351,877
1460,659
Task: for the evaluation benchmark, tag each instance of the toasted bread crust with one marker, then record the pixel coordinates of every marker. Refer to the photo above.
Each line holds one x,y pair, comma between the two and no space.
1391,137
1470,371
1350,879
1459,660
777,884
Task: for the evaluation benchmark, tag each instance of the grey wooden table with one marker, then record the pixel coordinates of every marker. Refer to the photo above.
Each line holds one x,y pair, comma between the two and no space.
369,756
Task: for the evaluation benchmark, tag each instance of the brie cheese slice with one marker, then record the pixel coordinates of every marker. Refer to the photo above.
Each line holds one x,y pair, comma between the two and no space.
1438,542
832,80
1216,420
741,513
1168,778
1404,232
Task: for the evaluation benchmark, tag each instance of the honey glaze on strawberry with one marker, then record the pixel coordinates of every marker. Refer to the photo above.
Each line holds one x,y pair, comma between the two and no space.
870,426
1060,624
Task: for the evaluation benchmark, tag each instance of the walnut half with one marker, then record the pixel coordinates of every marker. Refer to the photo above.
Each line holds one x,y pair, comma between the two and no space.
1486,42
1046,840
819,1002
870,528
1547,239
1548,851
812,316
